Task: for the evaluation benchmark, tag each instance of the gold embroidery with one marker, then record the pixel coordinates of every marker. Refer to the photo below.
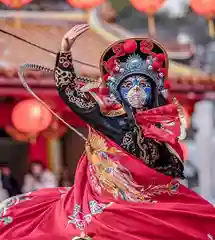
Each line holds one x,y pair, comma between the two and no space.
115,113
65,59
67,82
62,78
148,149
116,179
89,86
108,112
97,143
82,237
182,119
80,99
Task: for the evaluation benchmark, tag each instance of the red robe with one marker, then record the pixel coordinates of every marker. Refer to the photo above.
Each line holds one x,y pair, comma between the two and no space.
115,196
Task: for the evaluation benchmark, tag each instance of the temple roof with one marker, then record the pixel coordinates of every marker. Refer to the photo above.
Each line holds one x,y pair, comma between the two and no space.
15,52
88,48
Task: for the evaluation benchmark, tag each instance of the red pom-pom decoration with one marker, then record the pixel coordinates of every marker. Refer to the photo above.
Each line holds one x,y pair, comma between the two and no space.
105,77
130,46
156,65
146,51
167,84
153,54
160,57
164,71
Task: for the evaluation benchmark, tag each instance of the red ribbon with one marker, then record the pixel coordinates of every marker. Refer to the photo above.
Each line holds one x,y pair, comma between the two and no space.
165,116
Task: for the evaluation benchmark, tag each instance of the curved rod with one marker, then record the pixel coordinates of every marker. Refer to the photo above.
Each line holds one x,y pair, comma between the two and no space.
44,49
36,67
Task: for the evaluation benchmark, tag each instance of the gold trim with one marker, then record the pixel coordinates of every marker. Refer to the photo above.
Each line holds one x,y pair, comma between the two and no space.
111,113
182,119
172,150
115,113
82,238
119,180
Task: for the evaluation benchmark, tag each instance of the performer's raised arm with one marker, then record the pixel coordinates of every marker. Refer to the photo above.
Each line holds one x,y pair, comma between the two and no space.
66,80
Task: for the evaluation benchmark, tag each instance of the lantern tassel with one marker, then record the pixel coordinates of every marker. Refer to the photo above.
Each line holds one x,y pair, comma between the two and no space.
36,67
211,28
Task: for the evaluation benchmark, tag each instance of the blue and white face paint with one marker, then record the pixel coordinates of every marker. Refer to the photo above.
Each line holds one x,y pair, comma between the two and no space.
136,91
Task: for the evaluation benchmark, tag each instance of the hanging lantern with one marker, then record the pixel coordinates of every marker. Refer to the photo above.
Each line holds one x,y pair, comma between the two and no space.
19,136
205,8
15,3
85,4
30,116
150,7
55,130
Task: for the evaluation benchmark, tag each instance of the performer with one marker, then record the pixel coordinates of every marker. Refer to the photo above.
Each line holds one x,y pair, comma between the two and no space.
126,182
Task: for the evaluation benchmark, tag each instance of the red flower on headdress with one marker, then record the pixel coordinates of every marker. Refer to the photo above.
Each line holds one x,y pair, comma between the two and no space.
156,65
160,57
118,49
110,64
146,46
130,46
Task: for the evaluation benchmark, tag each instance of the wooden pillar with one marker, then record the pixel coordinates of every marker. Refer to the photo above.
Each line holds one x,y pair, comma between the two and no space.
55,155
74,148
38,150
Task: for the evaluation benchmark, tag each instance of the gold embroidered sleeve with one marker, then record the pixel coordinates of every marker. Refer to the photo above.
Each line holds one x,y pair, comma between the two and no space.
64,70
69,91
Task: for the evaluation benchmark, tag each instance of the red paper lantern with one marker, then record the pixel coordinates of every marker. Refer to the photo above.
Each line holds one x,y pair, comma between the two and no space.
205,8
15,3
30,116
148,6
55,130
85,4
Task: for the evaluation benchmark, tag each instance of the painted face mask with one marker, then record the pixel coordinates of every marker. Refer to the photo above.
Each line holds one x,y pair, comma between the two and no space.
136,91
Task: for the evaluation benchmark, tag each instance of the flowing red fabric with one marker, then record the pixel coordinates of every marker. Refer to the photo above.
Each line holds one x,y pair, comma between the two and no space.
115,196
167,116
170,127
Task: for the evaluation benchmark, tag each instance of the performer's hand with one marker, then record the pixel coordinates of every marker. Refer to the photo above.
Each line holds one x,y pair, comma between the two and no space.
72,35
